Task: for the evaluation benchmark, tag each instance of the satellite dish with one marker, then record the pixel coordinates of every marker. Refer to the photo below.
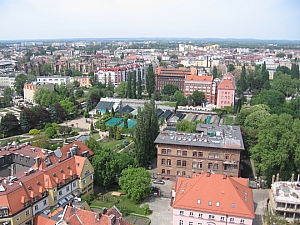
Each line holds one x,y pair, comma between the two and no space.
58,153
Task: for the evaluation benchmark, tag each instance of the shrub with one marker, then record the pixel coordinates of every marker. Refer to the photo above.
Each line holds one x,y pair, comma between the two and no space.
34,132
50,132
48,125
146,209
55,125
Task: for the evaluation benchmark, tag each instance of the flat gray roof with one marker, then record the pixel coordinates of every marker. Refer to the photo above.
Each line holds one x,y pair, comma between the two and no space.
211,136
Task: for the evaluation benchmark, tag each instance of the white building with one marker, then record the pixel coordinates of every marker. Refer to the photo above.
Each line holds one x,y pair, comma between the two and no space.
55,79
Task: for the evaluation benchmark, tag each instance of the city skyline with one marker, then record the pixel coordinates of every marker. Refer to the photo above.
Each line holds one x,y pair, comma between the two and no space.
33,19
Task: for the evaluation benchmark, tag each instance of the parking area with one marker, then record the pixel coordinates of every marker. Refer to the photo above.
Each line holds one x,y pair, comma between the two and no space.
161,210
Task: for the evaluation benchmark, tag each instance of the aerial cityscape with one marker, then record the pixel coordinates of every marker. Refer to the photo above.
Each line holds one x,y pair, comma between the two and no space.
149,112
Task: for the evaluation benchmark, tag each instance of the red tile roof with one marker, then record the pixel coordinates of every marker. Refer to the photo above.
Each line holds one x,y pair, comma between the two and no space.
226,84
234,197
199,78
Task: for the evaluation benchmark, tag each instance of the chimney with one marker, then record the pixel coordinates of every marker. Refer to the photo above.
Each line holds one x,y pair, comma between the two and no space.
208,174
277,177
224,177
293,177
104,211
38,162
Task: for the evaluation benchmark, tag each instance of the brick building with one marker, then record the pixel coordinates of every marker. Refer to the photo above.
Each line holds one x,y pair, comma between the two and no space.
203,84
214,149
226,91
172,75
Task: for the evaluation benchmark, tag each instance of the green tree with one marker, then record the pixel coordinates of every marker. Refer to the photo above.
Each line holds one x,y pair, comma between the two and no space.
247,110
180,65
135,182
24,124
134,84
121,89
60,112
283,69
150,81
106,166
170,89
20,80
231,67
118,134
174,56
181,100
198,97
280,54
68,107
68,72
285,84
295,71
128,89
76,84
52,114
215,72
79,93
272,98
51,132
139,85
146,132
47,69
9,125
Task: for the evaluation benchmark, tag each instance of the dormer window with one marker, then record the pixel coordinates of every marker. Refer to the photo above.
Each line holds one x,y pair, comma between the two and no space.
36,198
44,194
210,203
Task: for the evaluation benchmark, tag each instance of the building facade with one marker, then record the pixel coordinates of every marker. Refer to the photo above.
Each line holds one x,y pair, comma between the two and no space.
203,84
55,79
212,199
29,89
214,149
39,180
226,91
83,81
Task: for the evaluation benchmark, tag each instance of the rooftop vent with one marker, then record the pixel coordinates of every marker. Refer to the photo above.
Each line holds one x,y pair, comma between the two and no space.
54,174
29,187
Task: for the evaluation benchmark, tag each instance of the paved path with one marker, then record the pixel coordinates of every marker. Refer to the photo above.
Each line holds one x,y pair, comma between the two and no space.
260,197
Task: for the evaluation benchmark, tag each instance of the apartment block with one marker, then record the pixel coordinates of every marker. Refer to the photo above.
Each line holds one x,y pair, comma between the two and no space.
226,91
35,180
214,149
55,79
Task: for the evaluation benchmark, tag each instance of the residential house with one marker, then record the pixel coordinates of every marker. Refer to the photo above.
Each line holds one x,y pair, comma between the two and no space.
226,91
212,199
29,89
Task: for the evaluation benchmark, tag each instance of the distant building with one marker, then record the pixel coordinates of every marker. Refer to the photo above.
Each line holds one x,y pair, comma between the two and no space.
172,75
83,81
226,91
214,149
55,79
212,199
29,89
203,84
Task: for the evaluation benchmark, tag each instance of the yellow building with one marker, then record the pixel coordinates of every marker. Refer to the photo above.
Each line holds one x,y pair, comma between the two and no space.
83,81
52,181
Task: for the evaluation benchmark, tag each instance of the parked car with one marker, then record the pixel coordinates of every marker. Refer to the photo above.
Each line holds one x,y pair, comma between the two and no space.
158,182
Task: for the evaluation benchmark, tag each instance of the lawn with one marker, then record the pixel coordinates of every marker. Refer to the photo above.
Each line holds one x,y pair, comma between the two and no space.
124,204
172,104
228,120
110,144
96,136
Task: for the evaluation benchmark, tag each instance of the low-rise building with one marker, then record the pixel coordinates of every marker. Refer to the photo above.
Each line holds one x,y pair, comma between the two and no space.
55,79
226,91
84,81
212,199
29,89
36,180
214,149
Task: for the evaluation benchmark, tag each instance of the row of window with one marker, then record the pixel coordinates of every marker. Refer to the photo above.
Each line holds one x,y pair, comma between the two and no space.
224,102
212,217
226,97
211,155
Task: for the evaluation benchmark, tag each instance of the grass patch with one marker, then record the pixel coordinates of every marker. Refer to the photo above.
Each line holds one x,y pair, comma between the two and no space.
96,136
228,120
110,144
171,104
124,204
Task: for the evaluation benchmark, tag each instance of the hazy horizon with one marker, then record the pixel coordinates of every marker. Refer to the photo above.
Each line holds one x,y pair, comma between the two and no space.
132,19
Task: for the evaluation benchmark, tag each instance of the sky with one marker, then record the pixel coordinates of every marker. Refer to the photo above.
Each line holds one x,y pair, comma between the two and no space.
59,19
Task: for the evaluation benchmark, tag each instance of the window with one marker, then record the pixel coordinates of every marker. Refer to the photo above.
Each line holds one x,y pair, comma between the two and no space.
217,204
216,155
27,159
210,203
55,198
209,165
200,165
184,163
200,154
54,189
91,177
178,152
168,162
74,184
242,221
211,217
180,222
18,219
216,166
210,155
68,189
191,214
231,168
178,162
232,205
200,215
163,161
169,152
231,220
184,153
27,213
60,193
183,173
84,181
181,212
194,154
163,171
178,173
191,223
163,151
44,194
222,218
199,223
226,156
45,202
194,165
5,212
168,172
36,207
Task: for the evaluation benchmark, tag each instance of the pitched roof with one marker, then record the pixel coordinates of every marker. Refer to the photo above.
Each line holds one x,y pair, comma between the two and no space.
214,193
199,78
226,84
126,109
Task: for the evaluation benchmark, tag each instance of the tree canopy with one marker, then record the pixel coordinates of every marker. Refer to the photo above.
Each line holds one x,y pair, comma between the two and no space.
20,80
170,89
